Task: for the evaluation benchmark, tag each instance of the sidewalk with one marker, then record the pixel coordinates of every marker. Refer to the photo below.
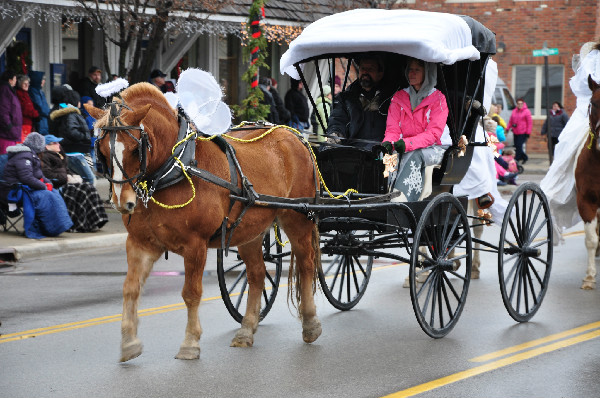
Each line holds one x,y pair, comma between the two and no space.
14,247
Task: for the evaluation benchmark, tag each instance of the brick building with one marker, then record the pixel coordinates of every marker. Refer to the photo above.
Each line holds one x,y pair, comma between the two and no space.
522,26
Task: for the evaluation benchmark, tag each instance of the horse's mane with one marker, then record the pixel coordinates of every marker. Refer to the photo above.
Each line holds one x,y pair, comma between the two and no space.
145,93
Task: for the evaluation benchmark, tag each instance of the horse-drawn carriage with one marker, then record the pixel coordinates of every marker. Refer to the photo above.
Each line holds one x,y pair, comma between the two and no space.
432,231
266,178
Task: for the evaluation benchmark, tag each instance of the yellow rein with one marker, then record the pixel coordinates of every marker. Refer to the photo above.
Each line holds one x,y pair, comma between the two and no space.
143,185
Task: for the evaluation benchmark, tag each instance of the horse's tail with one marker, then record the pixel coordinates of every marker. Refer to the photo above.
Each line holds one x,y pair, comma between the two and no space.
294,280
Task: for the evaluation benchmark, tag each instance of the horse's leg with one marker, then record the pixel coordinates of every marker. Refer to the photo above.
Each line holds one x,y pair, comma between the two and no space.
140,261
304,237
252,255
591,242
192,294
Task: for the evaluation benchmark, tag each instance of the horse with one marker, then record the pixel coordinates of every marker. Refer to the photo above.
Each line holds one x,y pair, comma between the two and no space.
138,133
588,189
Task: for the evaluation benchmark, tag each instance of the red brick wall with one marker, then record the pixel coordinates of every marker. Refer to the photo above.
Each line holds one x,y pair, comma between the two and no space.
524,26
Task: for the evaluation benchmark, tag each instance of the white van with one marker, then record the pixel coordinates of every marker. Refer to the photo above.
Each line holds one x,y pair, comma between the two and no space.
502,96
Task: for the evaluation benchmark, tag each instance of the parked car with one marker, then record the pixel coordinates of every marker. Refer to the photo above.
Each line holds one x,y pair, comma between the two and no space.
503,96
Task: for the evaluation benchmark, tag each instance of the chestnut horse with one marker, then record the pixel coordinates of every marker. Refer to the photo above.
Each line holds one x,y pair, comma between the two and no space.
278,165
588,187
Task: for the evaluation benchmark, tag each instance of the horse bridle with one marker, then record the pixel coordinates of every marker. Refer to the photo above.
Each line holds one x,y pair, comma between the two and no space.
116,125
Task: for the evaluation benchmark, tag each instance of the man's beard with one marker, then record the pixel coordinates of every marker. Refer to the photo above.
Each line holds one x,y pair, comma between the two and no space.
366,82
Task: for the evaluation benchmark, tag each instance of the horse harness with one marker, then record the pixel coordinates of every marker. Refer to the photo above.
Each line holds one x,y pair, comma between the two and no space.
183,155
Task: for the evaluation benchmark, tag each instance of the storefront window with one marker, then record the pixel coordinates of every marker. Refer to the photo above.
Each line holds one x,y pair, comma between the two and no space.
530,84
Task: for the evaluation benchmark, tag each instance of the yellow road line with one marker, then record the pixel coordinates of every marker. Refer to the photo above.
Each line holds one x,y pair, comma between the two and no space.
534,343
444,381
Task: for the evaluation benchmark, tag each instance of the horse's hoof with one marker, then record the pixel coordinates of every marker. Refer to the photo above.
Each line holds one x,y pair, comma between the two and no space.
311,330
188,353
131,350
242,339
474,274
588,285
456,265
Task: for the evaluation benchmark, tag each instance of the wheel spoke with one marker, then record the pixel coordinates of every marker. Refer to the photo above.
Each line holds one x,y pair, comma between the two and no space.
435,286
239,263
362,270
237,280
239,300
451,286
516,235
449,236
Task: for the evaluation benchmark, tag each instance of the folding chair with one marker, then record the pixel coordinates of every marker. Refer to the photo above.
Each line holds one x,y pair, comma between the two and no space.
9,219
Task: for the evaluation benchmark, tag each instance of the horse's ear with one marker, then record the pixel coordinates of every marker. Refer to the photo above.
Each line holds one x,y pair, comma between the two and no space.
592,84
94,112
140,114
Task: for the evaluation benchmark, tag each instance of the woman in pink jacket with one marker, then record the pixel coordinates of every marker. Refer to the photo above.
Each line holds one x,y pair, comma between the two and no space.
520,123
415,124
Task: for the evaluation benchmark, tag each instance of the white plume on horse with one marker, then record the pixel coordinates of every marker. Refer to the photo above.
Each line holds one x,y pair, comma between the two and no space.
200,98
116,86
172,99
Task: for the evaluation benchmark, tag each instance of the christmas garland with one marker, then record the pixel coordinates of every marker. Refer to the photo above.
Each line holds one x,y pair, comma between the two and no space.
256,49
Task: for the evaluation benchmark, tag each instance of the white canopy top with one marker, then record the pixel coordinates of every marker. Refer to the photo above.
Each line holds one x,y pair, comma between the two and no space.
430,36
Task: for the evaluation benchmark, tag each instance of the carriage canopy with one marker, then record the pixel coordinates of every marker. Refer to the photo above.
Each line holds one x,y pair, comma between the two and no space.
430,36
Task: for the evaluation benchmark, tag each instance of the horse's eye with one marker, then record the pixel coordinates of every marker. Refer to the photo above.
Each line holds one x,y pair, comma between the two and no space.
136,152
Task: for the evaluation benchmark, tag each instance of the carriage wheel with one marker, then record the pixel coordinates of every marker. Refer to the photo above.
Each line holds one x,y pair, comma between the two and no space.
233,280
525,252
438,291
345,272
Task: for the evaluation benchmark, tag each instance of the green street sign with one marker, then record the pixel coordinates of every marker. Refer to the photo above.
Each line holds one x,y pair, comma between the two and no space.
545,52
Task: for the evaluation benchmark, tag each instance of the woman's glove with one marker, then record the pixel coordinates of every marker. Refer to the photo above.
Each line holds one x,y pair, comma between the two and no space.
389,147
400,146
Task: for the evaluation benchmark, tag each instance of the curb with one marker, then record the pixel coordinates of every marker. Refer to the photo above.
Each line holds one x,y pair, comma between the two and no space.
39,249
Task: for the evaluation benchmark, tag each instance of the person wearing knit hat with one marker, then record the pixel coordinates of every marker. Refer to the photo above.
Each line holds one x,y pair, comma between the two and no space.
45,213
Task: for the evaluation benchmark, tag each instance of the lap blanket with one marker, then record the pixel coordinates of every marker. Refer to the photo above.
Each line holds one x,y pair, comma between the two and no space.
44,212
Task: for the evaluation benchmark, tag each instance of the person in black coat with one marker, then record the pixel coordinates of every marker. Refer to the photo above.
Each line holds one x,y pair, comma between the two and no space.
554,124
265,87
87,86
297,104
282,112
361,111
67,122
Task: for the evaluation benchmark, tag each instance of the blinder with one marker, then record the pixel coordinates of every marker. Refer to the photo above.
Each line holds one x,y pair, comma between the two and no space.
115,125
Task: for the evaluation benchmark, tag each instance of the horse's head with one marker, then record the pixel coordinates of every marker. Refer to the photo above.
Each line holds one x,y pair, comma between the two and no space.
594,109
135,129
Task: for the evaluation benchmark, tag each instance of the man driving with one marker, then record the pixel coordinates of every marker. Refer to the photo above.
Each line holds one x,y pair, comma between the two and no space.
359,113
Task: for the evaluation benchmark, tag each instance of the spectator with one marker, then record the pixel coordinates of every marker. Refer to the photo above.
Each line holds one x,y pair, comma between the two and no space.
360,111
66,122
337,85
11,118
157,78
82,200
499,129
495,112
36,92
45,213
415,124
265,86
555,123
297,104
282,112
323,107
520,123
27,109
87,86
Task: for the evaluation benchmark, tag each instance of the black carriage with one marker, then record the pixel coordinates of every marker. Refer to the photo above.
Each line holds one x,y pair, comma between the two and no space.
433,235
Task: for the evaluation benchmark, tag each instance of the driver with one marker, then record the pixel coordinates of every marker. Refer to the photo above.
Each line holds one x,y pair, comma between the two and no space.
360,111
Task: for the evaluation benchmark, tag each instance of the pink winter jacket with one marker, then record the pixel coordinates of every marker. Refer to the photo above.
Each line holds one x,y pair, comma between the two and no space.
522,119
420,128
